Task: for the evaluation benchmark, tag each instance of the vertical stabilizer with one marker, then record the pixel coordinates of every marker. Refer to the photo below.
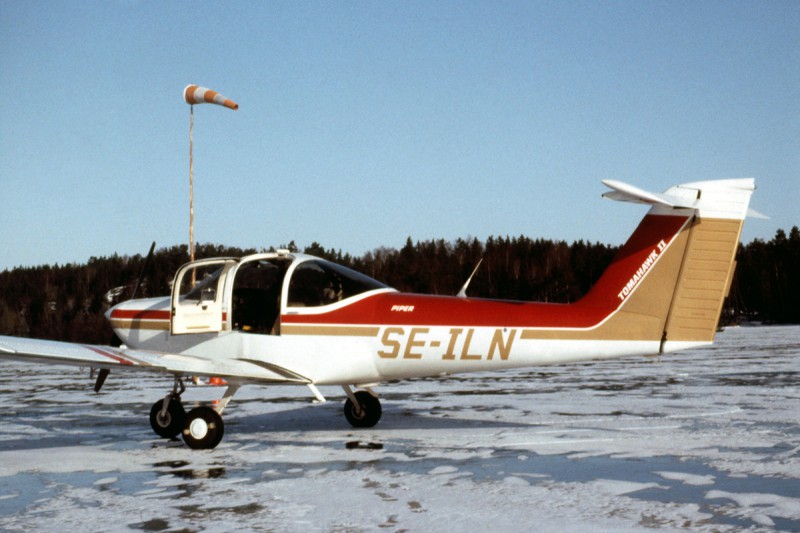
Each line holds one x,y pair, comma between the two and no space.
670,279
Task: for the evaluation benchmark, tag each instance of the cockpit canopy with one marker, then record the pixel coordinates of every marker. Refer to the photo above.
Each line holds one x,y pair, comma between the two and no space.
257,289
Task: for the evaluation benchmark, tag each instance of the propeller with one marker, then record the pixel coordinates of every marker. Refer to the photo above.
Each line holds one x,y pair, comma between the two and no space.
103,374
144,269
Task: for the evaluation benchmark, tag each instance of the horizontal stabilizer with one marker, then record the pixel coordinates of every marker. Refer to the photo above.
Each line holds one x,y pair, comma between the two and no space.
727,199
625,192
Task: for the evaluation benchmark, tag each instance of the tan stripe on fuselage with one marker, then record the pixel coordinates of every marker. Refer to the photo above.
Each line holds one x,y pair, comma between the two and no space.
154,325
139,324
338,331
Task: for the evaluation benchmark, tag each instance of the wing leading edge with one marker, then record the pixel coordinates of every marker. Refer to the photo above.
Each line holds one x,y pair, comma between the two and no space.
105,357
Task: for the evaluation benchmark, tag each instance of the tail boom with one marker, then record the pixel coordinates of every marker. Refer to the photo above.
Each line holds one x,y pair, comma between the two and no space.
663,291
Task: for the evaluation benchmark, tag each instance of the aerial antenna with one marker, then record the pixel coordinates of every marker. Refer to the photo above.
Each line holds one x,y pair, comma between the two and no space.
463,292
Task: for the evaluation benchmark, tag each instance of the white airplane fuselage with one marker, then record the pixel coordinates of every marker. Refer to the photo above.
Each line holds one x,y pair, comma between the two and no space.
296,319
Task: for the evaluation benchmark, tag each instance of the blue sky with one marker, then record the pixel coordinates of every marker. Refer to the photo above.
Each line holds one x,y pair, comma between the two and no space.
363,123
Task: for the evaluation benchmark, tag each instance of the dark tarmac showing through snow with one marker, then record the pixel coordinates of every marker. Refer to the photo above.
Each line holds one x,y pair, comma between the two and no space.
702,440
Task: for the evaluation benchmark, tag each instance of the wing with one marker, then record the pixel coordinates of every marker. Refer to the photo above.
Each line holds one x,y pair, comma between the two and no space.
64,353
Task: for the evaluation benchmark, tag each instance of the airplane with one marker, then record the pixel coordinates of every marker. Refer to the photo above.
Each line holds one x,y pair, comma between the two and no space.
290,318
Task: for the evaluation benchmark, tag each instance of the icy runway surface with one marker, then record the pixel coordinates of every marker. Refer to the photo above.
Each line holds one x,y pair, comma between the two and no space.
703,440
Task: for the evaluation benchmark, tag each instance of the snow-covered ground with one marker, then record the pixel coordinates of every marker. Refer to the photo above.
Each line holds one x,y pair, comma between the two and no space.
703,440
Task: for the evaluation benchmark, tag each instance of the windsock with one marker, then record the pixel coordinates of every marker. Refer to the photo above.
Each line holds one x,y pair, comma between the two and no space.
200,95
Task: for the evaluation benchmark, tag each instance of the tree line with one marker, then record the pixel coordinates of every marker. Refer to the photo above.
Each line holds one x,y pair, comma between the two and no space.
68,302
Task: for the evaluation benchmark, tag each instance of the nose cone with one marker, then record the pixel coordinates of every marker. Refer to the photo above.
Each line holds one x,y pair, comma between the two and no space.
110,312
137,321
118,323
126,310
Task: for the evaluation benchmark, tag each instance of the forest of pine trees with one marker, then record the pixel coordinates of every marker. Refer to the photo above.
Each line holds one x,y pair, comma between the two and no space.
68,302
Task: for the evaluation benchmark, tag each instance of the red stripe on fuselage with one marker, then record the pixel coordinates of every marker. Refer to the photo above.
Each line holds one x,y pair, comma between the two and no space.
139,314
452,311
416,309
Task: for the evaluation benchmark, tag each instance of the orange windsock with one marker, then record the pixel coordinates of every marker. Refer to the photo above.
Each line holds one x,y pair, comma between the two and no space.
200,95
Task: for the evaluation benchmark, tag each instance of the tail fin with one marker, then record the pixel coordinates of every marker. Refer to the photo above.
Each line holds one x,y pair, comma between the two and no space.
670,279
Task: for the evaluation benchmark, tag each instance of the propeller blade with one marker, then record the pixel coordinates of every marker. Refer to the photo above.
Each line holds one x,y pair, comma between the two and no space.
144,269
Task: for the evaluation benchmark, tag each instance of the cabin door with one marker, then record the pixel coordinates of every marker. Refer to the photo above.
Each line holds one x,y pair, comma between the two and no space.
197,297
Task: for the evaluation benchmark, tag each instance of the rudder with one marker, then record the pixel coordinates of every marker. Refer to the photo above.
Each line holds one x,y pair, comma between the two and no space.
708,261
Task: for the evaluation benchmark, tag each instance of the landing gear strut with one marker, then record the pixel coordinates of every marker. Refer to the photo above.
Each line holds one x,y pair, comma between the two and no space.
202,427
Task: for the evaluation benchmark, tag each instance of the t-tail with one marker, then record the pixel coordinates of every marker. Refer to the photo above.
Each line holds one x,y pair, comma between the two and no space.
669,281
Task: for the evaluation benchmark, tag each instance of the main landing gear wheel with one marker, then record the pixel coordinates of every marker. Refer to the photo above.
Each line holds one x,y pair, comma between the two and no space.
203,429
170,424
368,415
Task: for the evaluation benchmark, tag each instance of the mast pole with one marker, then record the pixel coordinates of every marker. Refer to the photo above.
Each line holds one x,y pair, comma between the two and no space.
191,185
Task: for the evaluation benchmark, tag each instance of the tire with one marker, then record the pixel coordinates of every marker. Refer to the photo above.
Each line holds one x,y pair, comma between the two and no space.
370,410
203,429
173,422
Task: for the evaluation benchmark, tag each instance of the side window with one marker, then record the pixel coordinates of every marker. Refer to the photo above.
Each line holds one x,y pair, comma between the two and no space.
306,287
316,283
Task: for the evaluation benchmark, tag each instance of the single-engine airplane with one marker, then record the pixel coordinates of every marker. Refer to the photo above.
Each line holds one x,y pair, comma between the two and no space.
289,318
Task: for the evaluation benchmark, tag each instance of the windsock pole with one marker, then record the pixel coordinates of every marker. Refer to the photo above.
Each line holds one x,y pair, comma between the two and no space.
191,184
